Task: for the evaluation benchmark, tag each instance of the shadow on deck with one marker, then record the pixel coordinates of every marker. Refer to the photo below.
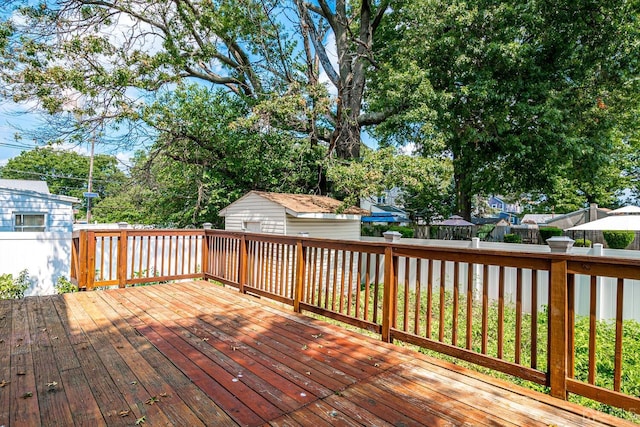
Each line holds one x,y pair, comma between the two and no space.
194,353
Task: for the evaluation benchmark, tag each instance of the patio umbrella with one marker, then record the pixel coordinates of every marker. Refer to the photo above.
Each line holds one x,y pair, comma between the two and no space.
455,221
626,210
612,222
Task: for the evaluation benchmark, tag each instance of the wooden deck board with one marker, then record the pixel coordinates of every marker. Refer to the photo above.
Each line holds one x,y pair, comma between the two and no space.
193,353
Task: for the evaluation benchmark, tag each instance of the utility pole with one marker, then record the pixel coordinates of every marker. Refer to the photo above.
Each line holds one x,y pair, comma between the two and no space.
90,183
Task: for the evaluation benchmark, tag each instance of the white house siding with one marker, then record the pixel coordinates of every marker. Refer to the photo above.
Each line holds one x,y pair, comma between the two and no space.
254,208
324,228
46,256
58,214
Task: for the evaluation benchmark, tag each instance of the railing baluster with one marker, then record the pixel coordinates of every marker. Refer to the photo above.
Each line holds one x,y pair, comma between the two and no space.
456,297
443,271
418,297
592,329
518,342
485,308
429,298
469,334
501,273
534,319
617,366
571,325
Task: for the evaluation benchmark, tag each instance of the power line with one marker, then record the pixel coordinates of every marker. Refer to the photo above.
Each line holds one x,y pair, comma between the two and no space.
48,175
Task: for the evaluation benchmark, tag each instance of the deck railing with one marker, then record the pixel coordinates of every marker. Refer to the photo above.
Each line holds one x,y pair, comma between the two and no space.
510,312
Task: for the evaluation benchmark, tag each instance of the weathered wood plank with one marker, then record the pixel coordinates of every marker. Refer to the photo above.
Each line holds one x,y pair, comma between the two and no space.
6,325
198,402
153,384
190,362
274,388
51,391
84,408
24,401
286,394
104,389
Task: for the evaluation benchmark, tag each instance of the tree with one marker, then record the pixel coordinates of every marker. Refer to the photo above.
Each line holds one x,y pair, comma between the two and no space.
520,95
423,181
263,51
66,172
210,151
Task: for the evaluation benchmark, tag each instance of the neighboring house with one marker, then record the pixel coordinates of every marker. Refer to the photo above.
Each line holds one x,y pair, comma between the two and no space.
28,206
292,214
384,214
390,198
495,202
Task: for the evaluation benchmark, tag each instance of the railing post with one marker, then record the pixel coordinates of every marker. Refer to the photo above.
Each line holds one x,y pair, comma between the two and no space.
122,258
389,300
91,259
242,264
205,254
300,271
558,328
82,259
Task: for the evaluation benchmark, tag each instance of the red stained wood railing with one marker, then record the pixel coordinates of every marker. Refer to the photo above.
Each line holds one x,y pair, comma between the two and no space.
463,303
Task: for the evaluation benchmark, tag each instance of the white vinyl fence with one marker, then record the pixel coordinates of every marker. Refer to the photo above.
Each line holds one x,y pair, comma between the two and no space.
45,255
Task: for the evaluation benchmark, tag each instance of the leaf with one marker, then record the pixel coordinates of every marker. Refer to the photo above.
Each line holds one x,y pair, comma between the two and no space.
4,383
52,384
27,395
152,400
124,413
141,420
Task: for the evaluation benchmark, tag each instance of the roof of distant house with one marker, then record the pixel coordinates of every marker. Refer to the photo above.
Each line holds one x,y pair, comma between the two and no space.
25,184
306,204
538,218
391,209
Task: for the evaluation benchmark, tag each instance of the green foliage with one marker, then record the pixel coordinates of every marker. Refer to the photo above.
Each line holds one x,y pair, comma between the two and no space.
618,239
422,180
407,232
485,230
64,286
378,230
512,238
582,243
548,232
11,288
514,92
208,154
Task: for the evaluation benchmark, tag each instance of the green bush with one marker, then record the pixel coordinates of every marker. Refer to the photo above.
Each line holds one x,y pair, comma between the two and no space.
485,230
512,238
377,230
407,232
64,286
582,243
618,239
11,288
548,232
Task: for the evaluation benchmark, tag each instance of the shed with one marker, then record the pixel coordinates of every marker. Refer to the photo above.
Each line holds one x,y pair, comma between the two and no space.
291,214
28,206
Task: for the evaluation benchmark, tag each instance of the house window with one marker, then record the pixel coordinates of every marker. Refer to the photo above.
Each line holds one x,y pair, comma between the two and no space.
254,226
29,222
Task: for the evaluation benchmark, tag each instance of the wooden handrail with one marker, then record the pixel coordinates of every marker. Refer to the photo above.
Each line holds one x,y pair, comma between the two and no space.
438,298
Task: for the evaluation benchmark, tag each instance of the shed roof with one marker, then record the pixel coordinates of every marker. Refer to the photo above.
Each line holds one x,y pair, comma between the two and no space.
25,184
301,204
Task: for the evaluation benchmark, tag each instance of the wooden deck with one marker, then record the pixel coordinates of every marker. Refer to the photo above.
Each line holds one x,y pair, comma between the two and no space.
194,353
